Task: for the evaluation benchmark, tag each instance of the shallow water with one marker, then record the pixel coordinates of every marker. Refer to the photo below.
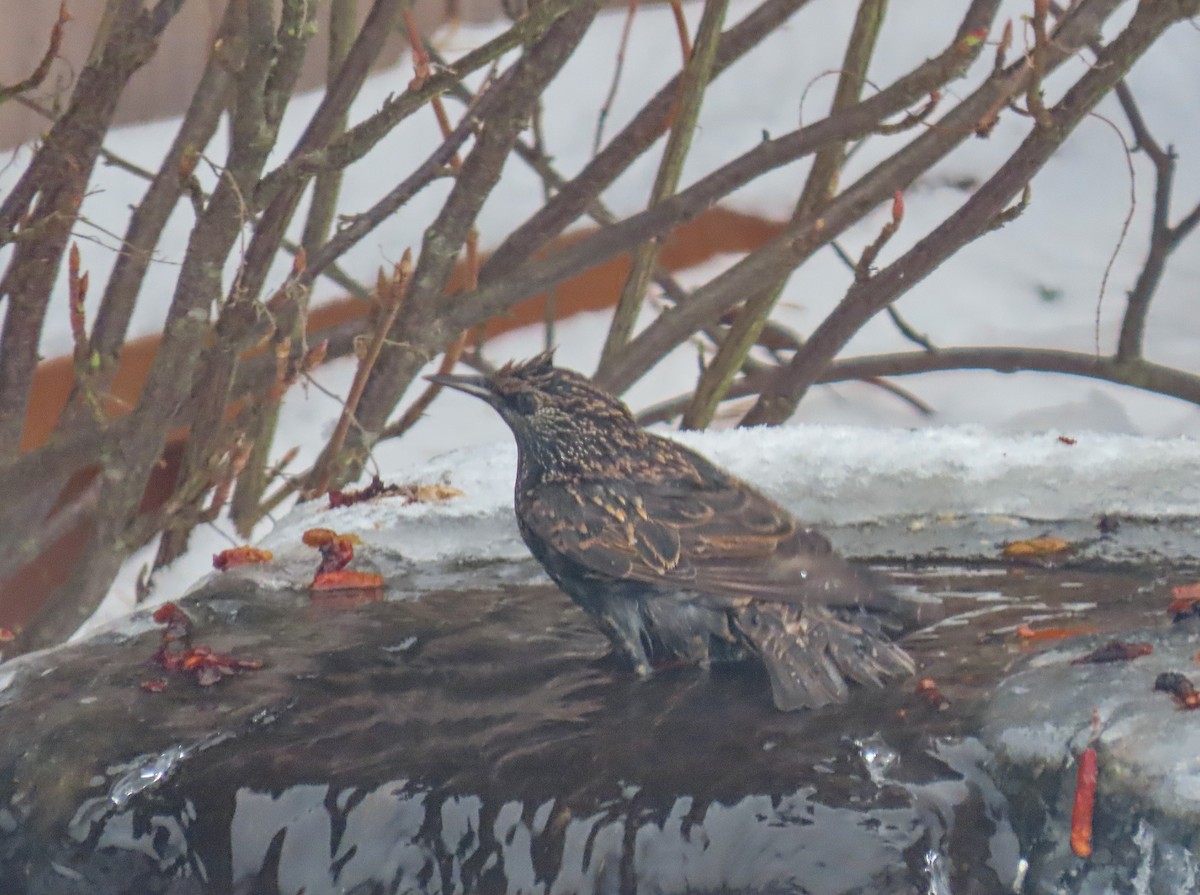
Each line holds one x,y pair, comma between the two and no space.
480,741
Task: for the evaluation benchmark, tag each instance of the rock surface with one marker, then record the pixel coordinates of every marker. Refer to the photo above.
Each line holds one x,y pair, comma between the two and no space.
1147,815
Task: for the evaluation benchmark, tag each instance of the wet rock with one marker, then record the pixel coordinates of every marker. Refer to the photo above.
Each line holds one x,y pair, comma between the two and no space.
1147,814
463,741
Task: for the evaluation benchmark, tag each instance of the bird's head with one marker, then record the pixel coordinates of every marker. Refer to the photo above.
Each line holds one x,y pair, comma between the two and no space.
559,418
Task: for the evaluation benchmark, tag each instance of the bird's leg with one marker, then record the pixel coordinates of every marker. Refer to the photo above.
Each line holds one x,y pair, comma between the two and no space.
623,626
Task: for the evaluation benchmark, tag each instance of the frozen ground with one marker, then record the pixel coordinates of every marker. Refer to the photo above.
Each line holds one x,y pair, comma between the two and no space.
1035,283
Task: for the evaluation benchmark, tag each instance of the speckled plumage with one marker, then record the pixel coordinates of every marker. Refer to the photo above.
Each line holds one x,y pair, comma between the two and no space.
674,558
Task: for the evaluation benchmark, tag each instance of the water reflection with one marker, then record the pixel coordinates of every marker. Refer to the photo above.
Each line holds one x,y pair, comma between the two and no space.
402,837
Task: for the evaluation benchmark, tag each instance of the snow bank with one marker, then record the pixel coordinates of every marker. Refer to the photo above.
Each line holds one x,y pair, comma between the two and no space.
829,475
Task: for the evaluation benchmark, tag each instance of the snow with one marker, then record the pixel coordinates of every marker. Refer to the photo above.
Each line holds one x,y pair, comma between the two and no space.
854,456
829,475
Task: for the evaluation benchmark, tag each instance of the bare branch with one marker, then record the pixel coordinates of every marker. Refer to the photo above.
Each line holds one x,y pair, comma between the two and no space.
43,67
328,184
635,138
125,465
268,233
1137,373
515,100
58,176
362,137
695,77
503,291
414,412
151,214
818,190
974,217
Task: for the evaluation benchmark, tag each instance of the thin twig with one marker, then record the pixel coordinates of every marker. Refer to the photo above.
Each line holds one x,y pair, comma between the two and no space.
417,409
538,151
681,28
606,106
43,67
1125,224
906,329
862,270
748,385
391,292
1037,63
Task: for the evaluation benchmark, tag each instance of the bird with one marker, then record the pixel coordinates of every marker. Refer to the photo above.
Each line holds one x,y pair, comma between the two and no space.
675,559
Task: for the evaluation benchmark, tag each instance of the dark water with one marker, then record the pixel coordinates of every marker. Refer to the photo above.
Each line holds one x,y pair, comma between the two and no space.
479,741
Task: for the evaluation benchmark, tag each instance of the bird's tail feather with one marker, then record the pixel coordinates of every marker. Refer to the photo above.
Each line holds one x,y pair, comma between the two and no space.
810,653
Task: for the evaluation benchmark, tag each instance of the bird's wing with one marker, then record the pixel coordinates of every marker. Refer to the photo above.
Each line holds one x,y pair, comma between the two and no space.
719,538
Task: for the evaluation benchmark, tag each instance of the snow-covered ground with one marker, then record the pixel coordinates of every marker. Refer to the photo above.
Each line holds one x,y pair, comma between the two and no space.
1035,283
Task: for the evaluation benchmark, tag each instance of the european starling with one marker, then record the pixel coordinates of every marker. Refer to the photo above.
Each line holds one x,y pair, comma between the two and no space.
673,557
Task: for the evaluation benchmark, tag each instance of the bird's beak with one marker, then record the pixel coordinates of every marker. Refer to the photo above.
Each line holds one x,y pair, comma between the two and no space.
472,385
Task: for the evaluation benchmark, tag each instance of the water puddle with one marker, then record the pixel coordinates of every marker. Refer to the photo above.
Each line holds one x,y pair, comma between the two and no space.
479,741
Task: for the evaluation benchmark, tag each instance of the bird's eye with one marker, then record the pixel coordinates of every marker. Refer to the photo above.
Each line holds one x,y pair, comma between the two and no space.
523,403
